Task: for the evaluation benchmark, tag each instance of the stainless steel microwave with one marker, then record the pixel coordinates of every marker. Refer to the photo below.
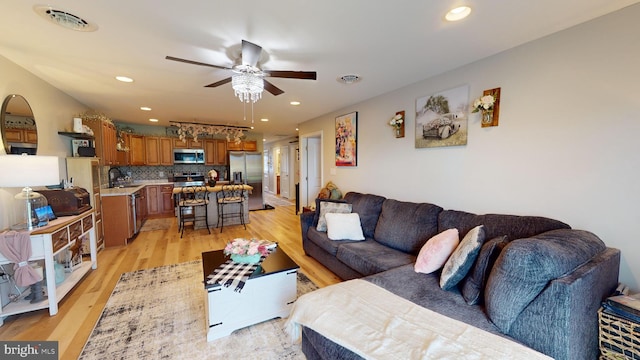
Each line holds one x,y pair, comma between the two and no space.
188,156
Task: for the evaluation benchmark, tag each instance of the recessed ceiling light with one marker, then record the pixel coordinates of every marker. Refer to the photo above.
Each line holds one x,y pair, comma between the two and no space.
145,108
458,13
153,120
349,78
124,79
252,128
296,129
295,103
64,19
264,119
264,139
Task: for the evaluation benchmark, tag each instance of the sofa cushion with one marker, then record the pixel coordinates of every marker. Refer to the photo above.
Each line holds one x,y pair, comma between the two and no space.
322,241
460,262
370,257
526,266
474,283
424,290
513,226
330,207
368,207
436,251
343,226
406,226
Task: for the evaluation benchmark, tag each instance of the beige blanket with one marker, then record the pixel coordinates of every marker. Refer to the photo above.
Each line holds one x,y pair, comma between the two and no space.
377,324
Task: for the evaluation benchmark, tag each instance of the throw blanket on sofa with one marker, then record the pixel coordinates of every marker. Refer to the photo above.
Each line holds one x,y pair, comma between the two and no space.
377,324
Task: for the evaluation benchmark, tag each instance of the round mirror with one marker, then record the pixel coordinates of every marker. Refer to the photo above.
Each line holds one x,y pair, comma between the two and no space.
19,133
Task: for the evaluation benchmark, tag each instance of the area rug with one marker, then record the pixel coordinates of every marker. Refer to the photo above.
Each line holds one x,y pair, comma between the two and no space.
159,314
157,224
275,200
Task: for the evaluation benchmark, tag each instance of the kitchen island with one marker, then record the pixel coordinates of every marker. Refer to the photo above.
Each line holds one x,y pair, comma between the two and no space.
212,208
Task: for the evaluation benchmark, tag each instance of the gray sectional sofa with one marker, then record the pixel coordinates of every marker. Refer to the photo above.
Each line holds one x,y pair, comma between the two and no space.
542,287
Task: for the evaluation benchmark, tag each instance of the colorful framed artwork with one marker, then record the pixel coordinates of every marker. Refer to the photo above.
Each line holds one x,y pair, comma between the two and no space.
347,139
442,118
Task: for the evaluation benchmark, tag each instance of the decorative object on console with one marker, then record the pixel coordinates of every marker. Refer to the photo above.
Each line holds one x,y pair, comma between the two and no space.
26,171
489,106
397,122
441,118
347,139
248,251
195,130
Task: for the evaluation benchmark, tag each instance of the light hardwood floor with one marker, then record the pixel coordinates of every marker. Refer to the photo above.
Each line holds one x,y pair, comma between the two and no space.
80,310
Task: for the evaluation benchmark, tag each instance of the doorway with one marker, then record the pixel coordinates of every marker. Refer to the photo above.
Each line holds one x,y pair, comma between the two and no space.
310,167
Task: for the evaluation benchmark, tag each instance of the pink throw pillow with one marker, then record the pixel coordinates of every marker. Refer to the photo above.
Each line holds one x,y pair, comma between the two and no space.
436,251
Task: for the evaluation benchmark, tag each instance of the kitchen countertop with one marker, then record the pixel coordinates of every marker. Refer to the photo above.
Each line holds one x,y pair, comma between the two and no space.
140,184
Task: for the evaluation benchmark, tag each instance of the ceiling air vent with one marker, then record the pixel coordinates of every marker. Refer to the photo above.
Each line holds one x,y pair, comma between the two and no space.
348,79
64,18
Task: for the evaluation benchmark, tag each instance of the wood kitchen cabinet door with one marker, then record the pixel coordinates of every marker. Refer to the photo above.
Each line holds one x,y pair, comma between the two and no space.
166,151
152,146
137,150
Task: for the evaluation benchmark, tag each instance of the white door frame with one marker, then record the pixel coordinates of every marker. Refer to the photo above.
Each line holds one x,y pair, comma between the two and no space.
304,198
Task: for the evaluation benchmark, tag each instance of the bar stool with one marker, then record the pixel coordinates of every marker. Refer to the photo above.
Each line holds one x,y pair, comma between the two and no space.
191,199
232,197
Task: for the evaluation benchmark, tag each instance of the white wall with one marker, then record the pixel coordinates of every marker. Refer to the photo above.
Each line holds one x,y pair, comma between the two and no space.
566,146
53,111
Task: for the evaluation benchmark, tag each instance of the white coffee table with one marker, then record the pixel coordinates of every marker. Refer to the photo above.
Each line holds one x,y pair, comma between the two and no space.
269,293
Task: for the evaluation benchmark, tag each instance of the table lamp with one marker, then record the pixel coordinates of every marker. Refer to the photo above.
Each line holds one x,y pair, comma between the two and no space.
26,171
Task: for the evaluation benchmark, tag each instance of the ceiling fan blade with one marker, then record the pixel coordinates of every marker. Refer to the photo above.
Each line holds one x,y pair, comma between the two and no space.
218,83
196,63
250,53
305,75
272,88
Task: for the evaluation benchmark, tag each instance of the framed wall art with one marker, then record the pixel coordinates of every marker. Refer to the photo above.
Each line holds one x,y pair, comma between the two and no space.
441,118
347,139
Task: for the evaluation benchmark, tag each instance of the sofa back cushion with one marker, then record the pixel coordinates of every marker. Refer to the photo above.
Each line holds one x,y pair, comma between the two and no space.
406,226
526,266
513,226
368,206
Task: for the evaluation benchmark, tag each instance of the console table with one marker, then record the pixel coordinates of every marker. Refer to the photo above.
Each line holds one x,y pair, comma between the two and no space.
47,242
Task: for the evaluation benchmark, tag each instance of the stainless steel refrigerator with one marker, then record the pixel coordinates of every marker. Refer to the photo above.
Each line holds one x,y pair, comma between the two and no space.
246,168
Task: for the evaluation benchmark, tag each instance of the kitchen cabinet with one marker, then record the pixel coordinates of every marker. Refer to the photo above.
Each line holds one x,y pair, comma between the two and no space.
122,156
160,200
118,219
47,242
245,145
215,152
105,140
159,150
137,150
85,173
21,135
188,144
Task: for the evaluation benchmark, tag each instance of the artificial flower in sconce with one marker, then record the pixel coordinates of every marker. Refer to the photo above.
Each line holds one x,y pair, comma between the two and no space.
397,122
487,104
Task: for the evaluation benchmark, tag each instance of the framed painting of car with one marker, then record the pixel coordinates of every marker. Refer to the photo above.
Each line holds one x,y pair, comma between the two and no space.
442,118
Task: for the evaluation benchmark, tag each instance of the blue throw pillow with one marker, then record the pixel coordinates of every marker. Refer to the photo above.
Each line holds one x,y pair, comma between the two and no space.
460,262
473,285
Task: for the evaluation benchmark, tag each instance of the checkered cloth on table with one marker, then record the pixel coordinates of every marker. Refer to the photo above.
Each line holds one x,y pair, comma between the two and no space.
233,274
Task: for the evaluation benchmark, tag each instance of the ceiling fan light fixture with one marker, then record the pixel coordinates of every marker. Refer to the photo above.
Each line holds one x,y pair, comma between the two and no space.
349,79
247,86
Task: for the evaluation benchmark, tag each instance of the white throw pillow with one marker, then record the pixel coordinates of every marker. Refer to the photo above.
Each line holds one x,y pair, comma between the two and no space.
344,226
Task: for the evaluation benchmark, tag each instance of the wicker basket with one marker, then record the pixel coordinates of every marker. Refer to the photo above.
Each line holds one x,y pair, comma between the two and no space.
619,337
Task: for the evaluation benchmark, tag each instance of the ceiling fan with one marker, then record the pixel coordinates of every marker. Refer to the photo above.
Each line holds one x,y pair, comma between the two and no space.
249,70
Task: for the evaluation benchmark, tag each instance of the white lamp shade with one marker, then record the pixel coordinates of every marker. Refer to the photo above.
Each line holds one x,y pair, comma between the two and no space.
28,170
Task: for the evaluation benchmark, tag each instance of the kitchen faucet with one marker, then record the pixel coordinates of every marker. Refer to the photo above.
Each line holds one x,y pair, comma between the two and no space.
111,178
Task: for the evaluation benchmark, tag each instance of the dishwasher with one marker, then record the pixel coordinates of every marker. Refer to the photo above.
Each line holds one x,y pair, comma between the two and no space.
136,206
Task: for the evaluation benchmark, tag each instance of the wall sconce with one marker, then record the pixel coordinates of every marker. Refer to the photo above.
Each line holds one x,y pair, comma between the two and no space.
26,171
489,106
397,122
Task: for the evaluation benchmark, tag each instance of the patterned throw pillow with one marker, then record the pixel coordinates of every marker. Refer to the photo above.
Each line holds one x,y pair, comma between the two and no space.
331,207
436,251
462,258
473,285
